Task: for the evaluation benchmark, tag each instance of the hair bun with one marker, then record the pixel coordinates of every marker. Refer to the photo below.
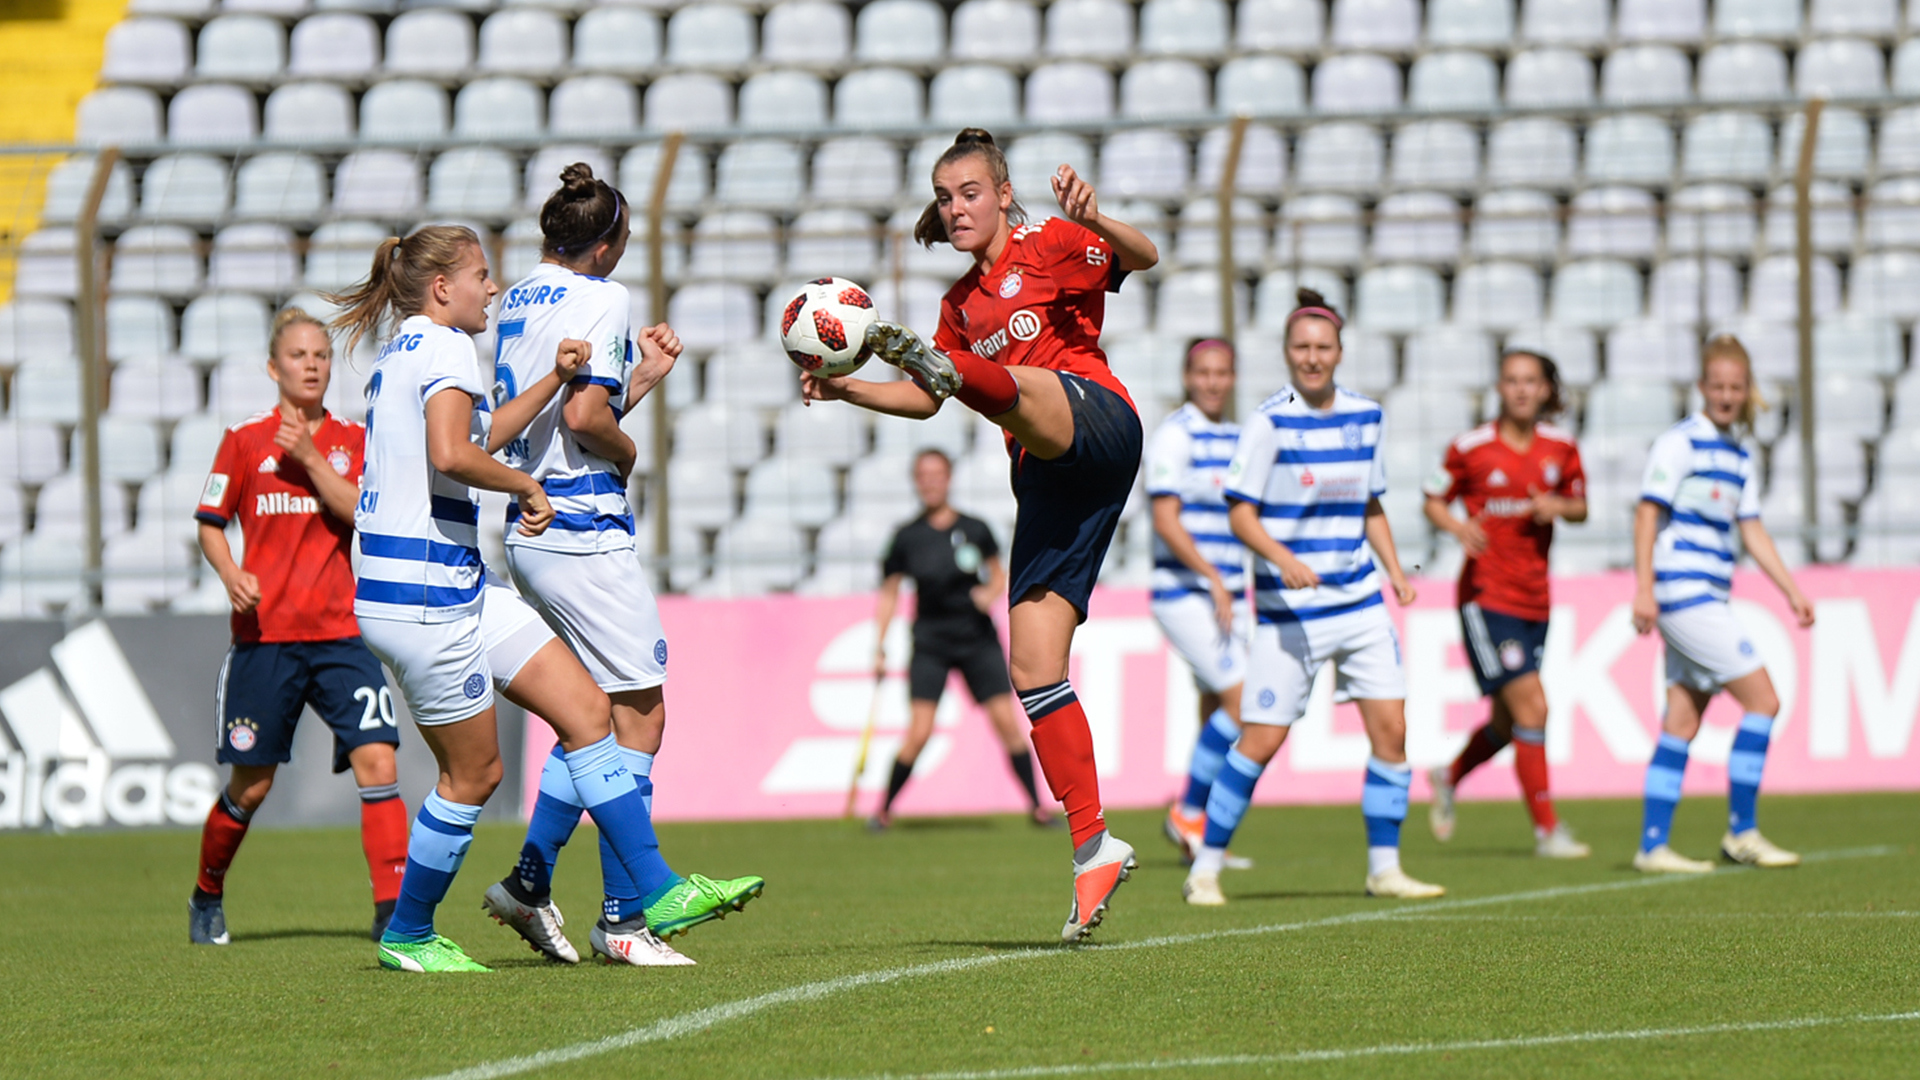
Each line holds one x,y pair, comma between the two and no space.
577,181
1305,297
974,136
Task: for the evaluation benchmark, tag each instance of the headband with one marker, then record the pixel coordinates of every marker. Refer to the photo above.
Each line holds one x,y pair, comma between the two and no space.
619,209
1316,312
1208,343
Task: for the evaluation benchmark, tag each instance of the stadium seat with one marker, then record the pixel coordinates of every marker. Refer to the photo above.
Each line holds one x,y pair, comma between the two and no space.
1515,223
34,329
1675,294
710,35
616,39
1871,17
752,376
162,259
1197,241
816,437
808,33
594,105
543,169
1533,151
1573,349
49,571
1145,163
756,555
238,387
1840,460
1893,213
1435,154
60,511
1339,155
118,115
215,325
1887,283
1565,22
711,314
67,185
166,503
1260,86
431,43
879,97
1417,226
1550,77
1715,218
129,449
713,434
1090,29
1497,295
1840,68
12,515
1618,221
1196,28
29,451
523,41
1596,293
1833,218
1453,80
700,489
1629,149
338,45
1286,26
1399,299
1857,344
47,390
143,571
1032,161
1629,408
687,187
1844,149
242,48
833,243
786,99
1727,146
1850,404
154,388
900,32
1683,21
1069,91
1449,355
855,170
995,30
950,430
1427,415
499,107
1640,74
1473,23
404,110
184,187
880,485
1651,350
44,265
1324,229
1356,82
473,181
759,172
1376,24
1152,89
917,302
309,112
1773,19
974,94
1189,303
376,183
340,253
1741,71
1263,160
149,52
213,113
1773,288
1889,527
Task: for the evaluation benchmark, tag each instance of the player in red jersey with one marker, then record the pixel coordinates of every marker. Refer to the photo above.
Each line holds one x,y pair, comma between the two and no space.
1019,343
290,477
1515,476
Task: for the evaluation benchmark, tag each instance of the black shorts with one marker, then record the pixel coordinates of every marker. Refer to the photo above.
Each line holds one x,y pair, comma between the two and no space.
983,665
1070,506
264,685
1500,647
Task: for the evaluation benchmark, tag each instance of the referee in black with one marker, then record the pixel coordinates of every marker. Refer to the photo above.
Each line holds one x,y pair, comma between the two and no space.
957,574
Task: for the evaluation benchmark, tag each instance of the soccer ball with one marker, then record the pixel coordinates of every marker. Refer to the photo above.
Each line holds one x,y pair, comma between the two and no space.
824,329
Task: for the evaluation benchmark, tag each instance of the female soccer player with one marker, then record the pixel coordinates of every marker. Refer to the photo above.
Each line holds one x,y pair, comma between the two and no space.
1516,475
1699,488
419,598
1199,570
1305,487
289,476
956,571
582,573
1019,343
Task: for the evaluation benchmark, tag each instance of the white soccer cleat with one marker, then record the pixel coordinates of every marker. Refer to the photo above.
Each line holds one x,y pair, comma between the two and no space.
1203,890
1396,885
1094,883
631,942
1751,849
539,926
1560,844
1440,811
1665,860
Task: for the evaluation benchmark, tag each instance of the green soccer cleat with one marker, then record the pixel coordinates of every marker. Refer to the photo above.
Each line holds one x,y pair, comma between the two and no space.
437,953
697,899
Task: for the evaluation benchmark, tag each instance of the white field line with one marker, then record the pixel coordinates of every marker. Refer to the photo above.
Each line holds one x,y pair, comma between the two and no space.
1674,916
1526,1042
698,1020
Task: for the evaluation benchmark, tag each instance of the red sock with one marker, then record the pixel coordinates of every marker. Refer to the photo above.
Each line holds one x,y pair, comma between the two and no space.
1481,745
383,835
1530,764
1064,744
985,387
219,841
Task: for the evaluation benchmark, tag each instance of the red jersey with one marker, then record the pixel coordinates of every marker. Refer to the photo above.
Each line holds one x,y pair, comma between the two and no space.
1040,305
295,547
1497,482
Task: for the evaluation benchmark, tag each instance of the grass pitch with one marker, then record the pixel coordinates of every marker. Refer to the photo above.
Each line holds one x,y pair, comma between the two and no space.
930,950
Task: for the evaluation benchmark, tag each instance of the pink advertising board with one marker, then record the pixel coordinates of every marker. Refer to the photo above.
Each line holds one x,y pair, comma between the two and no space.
767,698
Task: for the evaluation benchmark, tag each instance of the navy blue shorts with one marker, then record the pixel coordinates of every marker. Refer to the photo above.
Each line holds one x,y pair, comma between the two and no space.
264,685
1501,647
1070,506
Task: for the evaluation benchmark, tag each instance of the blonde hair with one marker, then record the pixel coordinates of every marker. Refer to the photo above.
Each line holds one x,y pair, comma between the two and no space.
286,319
1728,347
396,286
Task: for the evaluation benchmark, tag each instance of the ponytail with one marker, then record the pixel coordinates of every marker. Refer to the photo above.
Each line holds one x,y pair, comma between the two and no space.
582,213
972,142
396,286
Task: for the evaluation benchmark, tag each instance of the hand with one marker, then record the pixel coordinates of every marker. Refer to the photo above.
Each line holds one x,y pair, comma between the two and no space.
1222,604
294,438
1403,590
659,348
572,355
1646,611
982,598
1473,538
814,388
1295,574
1546,507
1076,197
536,513
663,336
1802,610
243,591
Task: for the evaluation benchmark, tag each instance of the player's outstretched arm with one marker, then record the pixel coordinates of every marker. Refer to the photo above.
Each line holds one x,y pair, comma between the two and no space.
454,454
1759,544
513,415
1081,205
1244,519
1646,526
1380,538
903,398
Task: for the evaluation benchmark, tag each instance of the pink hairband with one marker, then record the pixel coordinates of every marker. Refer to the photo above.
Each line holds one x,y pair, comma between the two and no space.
1318,312
1208,343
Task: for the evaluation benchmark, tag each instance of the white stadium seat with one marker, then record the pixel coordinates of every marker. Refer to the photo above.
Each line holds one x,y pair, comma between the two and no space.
594,105
687,187
760,172
995,30
256,257
1263,160
1596,293
1497,295
879,97
1435,153
1260,86
1636,74
1834,223
184,187
1573,349
32,329
1399,299
1448,355
213,113
855,170
29,451
1069,91
1840,67
1844,147
1613,221
1195,28
832,437
118,115
617,39
430,43
475,181
1356,82
1032,161
973,94
1477,23
523,41
1716,218
376,183
1548,77
151,52
154,388
1326,229
1675,294
1773,288
710,35
1856,344
1777,19
1197,241
225,324
808,33
1375,24
1683,21
499,107
1887,283
1152,89
1743,70
244,48
712,314
1629,149
900,32
404,110
1533,151
1727,146
161,259
1145,163
339,45
44,265
1291,26
1417,226
1652,350
1090,29
1339,155
67,185
340,253
309,112
786,99
833,243
1453,79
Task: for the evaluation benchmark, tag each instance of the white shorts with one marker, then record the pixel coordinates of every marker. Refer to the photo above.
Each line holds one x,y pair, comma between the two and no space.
441,667
1284,658
1706,648
600,605
510,629
1219,661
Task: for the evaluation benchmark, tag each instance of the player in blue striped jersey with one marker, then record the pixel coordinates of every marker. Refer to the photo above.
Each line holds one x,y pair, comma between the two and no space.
1701,488
1200,570
1305,487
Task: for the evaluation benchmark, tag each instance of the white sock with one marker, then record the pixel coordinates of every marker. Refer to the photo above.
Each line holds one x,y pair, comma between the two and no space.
1209,860
1381,859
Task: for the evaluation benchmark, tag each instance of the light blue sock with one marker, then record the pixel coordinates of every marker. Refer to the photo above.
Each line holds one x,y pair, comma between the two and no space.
1664,773
607,786
556,813
1216,738
1383,801
1231,795
623,897
1744,766
442,833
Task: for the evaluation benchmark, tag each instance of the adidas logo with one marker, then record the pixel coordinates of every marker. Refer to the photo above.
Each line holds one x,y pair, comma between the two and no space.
270,465
1497,479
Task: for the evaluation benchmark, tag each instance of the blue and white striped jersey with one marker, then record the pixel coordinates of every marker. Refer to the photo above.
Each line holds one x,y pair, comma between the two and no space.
590,510
1312,473
1702,478
1187,458
418,531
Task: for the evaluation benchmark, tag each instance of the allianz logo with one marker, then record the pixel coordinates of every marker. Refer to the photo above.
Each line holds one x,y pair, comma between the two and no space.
89,749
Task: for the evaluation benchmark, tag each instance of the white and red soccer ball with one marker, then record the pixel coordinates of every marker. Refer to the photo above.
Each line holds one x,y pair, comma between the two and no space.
824,328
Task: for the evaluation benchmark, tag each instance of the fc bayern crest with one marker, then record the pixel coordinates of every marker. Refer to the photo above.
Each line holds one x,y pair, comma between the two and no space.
340,461
1010,285
242,737
1550,472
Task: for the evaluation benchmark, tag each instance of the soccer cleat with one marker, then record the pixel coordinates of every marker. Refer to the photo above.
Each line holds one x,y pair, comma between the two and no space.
631,942
698,899
1560,844
1188,833
903,348
539,924
382,915
1440,811
1203,890
1665,860
1094,883
1752,849
1395,884
206,920
432,955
